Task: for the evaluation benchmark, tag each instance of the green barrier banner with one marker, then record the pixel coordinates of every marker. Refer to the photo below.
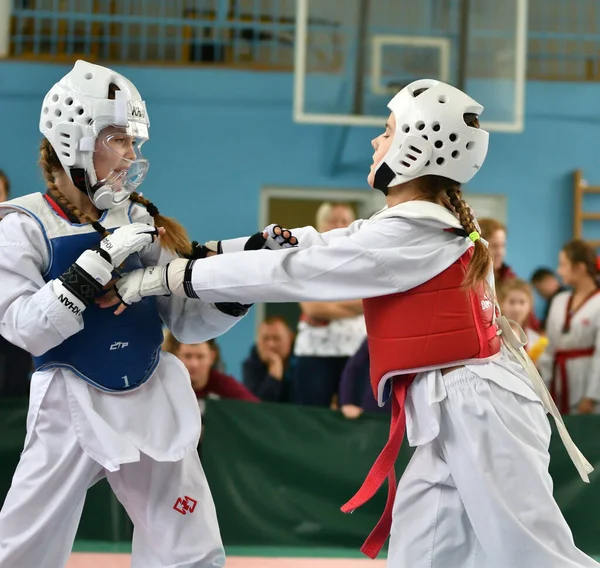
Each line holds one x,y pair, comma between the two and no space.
280,473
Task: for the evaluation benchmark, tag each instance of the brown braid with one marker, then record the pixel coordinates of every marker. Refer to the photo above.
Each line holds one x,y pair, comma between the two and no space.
482,258
448,193
50,163
175,238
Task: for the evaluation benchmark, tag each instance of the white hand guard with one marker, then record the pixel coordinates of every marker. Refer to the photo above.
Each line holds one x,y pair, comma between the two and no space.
255,242
138,284
77,287
127,240
165,280
275,241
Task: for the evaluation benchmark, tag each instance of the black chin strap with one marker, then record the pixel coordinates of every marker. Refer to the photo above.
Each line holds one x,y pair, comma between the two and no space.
383,177
80,179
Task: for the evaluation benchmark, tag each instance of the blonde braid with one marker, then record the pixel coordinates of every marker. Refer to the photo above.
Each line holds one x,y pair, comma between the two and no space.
175,238
50,163
481,261
462,210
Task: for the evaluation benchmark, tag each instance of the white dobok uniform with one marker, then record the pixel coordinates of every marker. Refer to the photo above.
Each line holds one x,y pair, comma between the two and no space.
574,350
142,440
477,492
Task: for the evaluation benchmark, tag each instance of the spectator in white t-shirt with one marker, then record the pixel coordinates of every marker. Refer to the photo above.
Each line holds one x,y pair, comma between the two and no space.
328,332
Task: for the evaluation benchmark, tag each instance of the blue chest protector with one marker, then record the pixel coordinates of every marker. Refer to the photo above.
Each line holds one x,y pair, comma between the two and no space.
112,353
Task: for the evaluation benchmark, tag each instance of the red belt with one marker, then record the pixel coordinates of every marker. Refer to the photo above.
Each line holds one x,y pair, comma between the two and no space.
384,468
560,361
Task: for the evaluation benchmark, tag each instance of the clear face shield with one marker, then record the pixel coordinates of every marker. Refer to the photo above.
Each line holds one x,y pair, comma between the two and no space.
119,164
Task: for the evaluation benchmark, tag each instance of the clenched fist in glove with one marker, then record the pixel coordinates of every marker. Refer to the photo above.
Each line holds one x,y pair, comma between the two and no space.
128,240
77,287
272,237
159,280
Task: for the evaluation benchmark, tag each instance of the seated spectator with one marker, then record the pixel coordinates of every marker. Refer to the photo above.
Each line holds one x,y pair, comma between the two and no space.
356,394
201,361
494,233
266,371
516,302
4,187
328,332
547,285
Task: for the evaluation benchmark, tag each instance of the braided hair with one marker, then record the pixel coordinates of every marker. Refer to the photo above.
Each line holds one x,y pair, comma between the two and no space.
50,164
175,238
482,258
450,192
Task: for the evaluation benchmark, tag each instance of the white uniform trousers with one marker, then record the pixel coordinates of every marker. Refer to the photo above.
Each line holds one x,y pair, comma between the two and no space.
175,522
479,495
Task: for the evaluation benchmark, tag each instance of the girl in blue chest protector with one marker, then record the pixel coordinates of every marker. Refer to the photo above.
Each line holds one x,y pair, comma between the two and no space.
104,401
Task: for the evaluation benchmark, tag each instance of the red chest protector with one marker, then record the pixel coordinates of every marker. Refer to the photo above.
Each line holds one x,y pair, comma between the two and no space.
435,325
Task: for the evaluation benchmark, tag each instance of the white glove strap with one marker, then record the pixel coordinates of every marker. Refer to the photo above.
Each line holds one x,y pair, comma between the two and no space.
176,276
67,299
154,282
272,244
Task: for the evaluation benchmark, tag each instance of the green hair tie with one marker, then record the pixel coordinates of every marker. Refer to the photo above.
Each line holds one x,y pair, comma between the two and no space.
474,236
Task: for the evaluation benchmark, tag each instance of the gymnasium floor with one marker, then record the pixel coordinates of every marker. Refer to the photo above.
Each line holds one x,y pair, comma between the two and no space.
98,555
108,555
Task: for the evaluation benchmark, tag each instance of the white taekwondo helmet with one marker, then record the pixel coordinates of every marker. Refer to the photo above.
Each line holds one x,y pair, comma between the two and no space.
432,137
74,113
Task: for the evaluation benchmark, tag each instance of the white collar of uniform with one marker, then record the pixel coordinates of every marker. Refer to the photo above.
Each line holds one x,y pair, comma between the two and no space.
421,210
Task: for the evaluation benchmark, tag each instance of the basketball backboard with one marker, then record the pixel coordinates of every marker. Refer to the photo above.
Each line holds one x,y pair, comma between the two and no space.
350,62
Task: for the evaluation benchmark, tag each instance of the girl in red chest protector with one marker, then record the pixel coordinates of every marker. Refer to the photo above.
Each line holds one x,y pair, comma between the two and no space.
477,491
